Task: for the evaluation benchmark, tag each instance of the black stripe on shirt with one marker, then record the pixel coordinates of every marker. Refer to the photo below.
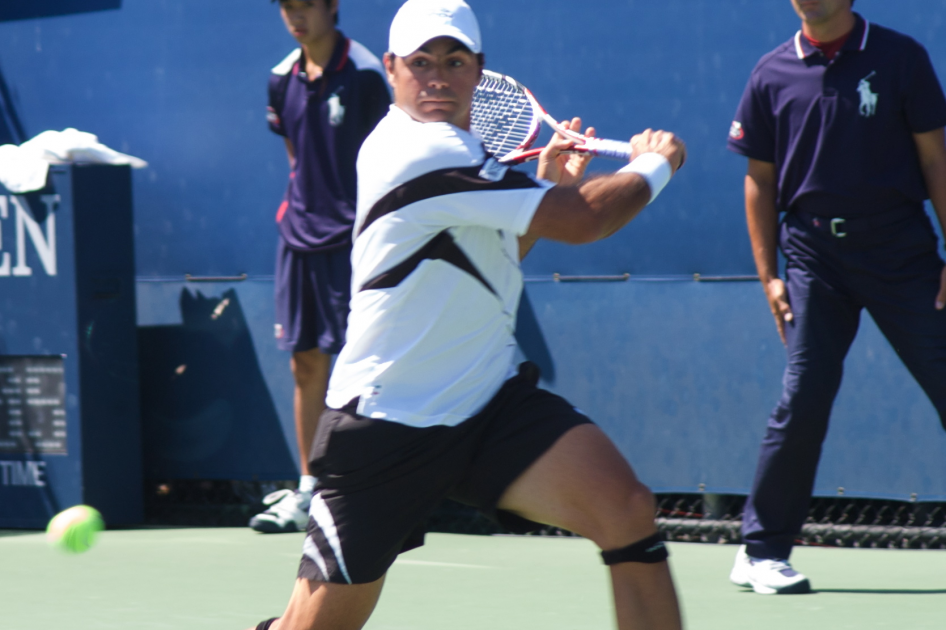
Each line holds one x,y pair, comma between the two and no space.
446,181
441,247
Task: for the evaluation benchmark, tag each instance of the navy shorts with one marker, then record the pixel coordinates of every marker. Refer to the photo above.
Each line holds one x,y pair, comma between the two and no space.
312,295
380,480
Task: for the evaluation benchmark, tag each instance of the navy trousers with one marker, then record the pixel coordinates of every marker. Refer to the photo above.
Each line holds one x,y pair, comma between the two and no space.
894,272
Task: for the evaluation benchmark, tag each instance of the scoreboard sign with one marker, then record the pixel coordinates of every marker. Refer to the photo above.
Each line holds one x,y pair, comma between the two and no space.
32,405
69,419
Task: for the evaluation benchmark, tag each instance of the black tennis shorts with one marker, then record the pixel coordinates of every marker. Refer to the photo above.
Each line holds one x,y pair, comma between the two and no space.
380,480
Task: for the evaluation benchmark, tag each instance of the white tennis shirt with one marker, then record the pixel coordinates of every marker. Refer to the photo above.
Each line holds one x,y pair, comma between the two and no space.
436,278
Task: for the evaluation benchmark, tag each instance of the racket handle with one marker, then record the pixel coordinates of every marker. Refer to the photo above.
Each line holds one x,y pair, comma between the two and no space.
613,149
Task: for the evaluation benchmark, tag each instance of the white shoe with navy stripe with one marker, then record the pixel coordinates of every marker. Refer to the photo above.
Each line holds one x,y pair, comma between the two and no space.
767,577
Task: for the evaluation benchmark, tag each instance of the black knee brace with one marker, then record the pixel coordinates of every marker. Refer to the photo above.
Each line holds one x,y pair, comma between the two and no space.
264,625
649,551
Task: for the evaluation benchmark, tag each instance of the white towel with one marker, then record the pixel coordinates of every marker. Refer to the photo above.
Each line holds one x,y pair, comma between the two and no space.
24,168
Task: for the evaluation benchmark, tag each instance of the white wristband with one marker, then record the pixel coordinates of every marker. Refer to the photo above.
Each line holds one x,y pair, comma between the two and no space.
654,168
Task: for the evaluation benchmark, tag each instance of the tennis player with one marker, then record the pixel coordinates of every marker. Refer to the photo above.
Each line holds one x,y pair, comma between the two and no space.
424,400
324,99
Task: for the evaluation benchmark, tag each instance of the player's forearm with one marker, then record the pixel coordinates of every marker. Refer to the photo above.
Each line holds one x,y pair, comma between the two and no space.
938,196
934,173
614,201
931,149
762,222
291,153
591,211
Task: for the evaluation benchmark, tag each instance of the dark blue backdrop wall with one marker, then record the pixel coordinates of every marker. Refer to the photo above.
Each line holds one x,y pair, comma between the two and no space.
682,373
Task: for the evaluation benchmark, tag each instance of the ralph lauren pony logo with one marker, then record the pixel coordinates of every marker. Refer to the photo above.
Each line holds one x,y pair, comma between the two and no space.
336,111
868,105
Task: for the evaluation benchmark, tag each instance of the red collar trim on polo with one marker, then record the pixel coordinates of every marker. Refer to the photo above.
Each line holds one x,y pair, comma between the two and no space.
344,56
337,61
856,39
340,55
829,49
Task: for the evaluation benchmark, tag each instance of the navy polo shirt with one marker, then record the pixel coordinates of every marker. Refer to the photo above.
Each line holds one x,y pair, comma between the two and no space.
840,132
326,118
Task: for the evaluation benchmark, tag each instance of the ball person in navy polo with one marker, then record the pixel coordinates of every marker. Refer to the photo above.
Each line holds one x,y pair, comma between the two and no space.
843,128
324,99
425,401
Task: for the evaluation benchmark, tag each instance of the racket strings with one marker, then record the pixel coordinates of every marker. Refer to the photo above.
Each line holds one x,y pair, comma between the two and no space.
503,116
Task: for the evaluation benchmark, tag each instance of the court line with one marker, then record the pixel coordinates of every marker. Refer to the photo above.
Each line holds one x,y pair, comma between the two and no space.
441,564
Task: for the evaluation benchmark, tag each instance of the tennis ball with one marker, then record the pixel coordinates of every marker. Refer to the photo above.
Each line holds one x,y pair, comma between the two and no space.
74,530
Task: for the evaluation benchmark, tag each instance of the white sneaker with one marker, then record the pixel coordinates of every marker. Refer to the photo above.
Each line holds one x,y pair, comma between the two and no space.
740,569
288,512
767,577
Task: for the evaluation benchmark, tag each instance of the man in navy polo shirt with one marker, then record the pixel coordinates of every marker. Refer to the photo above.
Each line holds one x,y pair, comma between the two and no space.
843,128
324,99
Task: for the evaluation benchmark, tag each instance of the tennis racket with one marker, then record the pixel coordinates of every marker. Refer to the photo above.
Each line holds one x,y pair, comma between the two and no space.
508,118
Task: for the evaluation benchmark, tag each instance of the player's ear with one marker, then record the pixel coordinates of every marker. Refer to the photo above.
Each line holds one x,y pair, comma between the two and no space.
388,60
481,59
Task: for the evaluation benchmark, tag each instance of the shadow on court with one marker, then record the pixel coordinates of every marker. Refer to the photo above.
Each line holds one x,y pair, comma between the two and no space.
865,591
884,591
4,533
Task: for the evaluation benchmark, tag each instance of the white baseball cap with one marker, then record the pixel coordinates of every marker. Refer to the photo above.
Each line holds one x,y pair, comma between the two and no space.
419,21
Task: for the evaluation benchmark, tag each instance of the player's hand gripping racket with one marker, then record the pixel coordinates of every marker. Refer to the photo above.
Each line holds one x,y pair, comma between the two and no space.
508,118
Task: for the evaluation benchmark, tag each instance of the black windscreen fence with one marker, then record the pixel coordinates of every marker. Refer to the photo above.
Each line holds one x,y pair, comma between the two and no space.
707,518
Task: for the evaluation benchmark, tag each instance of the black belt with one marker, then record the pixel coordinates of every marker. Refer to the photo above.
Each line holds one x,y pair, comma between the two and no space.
839,227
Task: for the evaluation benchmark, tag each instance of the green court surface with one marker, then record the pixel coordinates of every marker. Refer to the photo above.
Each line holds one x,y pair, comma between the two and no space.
230,579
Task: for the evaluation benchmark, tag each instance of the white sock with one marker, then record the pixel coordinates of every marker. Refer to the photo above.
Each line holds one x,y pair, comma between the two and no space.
307,484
